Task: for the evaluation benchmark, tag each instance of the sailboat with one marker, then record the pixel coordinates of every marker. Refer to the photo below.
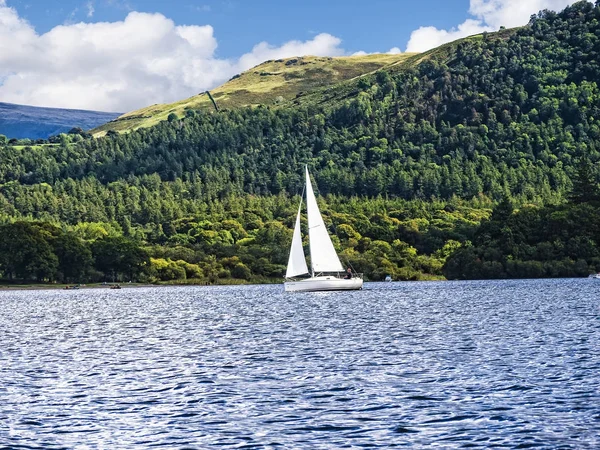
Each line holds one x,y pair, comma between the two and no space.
325,263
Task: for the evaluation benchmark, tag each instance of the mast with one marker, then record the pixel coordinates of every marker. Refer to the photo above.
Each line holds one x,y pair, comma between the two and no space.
309,190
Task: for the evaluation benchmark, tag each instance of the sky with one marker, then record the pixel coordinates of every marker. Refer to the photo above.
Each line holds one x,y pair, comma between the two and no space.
121,55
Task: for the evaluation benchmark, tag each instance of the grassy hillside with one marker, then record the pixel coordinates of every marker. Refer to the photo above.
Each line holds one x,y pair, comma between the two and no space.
270,83
331,96
307,80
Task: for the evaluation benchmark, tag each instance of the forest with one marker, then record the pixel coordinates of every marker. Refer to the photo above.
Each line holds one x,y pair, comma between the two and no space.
480,162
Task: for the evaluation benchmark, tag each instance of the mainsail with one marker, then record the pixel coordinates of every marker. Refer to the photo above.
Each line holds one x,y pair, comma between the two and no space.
322,254
297,262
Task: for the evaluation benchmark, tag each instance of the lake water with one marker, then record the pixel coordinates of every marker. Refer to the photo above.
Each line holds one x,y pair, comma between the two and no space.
487,364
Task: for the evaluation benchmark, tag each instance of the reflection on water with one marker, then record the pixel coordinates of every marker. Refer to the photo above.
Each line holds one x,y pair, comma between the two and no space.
460,364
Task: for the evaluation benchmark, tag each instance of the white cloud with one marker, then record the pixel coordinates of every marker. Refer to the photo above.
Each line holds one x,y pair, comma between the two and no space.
121,66
321,45
512,13
489,15
90,8
391,51
426,38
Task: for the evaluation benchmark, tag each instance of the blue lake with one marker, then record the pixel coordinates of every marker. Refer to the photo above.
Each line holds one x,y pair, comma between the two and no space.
486,364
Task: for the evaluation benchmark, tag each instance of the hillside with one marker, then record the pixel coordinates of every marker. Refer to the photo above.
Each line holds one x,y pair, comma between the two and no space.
290,82
410,160
270,83
506,113
20,121
329,97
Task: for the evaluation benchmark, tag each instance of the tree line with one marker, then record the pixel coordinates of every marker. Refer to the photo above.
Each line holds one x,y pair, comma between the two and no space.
240,239
41,251
535,242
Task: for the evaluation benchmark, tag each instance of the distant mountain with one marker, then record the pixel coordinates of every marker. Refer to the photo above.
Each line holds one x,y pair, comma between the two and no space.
19,121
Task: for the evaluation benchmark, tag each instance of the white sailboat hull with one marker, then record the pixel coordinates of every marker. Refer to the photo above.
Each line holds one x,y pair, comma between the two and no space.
323,283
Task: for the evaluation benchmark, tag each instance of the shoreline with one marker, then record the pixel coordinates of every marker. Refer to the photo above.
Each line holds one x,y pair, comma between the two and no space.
75,287
72,287
69,287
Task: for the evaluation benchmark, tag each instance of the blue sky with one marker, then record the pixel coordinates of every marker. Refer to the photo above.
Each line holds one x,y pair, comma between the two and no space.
120,55
371,26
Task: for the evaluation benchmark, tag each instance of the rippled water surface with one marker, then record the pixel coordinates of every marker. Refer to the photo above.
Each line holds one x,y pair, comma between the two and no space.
509,364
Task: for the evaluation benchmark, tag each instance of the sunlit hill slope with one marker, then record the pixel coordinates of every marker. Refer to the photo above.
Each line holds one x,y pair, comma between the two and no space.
271,83
290,82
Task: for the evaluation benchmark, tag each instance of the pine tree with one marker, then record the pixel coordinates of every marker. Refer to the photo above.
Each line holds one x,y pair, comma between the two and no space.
585,185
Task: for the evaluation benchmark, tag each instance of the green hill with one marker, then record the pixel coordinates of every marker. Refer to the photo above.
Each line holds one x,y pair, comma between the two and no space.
270,83
410,158
497,114
289,82
329,96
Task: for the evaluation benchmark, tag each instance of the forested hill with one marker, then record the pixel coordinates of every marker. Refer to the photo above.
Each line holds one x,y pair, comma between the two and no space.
501,115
